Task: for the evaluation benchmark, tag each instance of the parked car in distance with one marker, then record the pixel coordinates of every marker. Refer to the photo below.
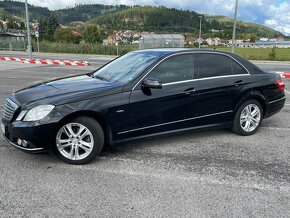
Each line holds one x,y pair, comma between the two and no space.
141,94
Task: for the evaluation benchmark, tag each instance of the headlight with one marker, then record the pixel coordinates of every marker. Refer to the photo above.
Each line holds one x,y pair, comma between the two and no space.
38,112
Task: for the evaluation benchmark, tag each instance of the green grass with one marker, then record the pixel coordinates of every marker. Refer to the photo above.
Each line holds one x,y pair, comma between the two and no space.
83,48
282,54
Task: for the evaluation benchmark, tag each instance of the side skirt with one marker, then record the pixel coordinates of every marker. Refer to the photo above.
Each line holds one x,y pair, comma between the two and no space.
173,132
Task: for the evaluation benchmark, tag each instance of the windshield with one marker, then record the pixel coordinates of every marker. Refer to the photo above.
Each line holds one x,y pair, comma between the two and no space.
126,68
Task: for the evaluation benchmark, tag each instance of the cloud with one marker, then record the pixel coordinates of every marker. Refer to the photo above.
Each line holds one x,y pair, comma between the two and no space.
279,18
272,13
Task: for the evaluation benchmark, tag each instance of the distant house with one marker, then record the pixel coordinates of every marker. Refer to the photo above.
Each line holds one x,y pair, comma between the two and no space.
190,41
111,39
213,41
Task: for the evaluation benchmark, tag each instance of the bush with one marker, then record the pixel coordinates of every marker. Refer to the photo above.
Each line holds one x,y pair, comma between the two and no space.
272,54
84,48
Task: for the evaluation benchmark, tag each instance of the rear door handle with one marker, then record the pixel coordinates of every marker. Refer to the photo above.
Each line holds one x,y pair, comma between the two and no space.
238,82
190,91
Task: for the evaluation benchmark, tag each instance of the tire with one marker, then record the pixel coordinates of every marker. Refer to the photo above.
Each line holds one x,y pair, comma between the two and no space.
79,141
246,123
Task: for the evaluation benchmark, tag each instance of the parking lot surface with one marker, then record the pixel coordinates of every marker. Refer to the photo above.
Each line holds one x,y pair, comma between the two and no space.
199,174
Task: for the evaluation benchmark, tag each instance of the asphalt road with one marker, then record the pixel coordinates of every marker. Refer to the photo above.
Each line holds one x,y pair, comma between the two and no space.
202,174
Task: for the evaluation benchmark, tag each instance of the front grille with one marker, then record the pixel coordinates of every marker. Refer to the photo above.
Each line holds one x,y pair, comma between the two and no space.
9,109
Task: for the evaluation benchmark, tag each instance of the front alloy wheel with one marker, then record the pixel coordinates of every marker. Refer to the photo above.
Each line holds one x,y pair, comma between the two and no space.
248,118
79,141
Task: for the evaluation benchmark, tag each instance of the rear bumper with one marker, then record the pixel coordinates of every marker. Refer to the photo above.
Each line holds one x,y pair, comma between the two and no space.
275,106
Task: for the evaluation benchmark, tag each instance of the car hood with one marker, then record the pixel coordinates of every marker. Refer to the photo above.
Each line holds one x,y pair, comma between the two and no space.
66,90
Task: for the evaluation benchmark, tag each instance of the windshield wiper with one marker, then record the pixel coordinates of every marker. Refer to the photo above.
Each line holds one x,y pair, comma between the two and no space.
101,78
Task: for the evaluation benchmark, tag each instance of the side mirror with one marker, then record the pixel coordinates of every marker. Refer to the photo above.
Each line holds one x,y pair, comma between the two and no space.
152,83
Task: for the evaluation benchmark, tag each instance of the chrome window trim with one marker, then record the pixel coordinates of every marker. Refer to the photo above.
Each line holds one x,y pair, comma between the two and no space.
193,52
208,78
172,122
179,82
226,76
280,99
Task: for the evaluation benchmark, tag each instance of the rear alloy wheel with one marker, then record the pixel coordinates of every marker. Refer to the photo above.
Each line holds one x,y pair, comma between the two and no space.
79,141
248,118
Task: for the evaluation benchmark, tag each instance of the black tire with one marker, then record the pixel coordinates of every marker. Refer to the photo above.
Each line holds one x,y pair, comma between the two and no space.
238,127
96,141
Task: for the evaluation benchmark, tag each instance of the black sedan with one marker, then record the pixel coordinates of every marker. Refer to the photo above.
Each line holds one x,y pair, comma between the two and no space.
141,94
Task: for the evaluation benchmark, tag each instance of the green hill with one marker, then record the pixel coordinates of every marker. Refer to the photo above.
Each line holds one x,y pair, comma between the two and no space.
161,19
86,12
146,18
15,8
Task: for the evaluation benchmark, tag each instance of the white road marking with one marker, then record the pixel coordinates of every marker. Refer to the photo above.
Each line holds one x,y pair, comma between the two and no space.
195,178
287,92
276,128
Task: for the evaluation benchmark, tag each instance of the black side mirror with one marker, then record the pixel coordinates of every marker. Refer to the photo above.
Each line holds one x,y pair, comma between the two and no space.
152,83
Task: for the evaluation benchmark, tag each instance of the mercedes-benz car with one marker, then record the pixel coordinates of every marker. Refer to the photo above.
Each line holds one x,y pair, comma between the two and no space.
142,94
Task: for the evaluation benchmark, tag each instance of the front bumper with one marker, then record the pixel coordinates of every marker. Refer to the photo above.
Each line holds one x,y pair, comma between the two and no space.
38,138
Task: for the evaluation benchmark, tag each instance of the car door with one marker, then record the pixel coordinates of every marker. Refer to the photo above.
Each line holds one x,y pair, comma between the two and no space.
158,110
219,84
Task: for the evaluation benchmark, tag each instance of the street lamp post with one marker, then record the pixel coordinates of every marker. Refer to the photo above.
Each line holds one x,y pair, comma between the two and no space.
234,27
28,30
199,41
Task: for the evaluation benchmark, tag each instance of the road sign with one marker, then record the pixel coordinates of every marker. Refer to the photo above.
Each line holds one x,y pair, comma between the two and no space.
36,28
37,34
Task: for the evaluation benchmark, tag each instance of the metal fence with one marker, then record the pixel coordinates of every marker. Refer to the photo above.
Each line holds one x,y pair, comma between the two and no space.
161,41
12,41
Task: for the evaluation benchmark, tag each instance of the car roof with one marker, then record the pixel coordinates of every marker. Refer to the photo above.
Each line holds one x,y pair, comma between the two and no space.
162,52
168,51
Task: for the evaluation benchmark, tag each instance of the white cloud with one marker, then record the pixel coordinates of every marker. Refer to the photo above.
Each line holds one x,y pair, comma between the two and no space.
267,12
279,18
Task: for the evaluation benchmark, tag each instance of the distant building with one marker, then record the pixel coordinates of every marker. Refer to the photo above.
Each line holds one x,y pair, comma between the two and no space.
265,44
13,40
190,41
213,41
161,41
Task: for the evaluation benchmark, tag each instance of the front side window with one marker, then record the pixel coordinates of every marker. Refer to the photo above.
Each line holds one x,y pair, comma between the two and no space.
213,65
174,69
127,68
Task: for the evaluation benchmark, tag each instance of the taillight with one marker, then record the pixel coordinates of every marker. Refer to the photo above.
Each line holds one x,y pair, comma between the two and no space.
280,84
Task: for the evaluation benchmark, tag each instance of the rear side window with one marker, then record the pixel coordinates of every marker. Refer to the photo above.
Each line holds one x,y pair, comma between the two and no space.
174,69
212,65
238,69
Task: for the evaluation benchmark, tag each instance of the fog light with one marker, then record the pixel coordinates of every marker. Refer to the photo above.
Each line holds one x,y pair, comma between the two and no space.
19,141
24,143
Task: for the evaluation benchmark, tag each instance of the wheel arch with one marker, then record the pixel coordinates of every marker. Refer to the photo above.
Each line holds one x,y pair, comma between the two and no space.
95,115
255,95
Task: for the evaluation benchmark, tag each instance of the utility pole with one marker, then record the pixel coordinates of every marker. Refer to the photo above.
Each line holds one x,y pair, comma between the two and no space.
234,28
28,30
199,41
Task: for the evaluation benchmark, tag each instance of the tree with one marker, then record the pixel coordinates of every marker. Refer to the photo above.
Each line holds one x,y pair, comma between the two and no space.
66,35
53,24
253,37
22,25
91,34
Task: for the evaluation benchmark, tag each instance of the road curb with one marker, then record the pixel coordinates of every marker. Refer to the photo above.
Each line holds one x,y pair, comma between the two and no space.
46,61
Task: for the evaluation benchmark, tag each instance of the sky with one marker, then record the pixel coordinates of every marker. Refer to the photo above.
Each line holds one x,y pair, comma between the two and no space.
271,13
